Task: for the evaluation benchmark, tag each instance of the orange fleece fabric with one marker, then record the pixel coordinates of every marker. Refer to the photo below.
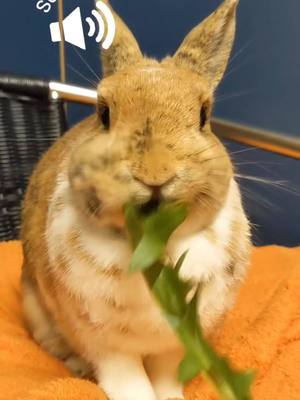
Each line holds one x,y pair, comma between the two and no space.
261,333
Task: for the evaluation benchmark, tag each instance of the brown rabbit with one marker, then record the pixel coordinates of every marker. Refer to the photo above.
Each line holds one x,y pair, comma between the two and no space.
150,141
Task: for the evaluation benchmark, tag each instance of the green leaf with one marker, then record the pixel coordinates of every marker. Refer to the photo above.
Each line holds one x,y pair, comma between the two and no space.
243,384
158,228
134,224
189,368
180,262
149,235
191,336
201,356
170,292
234,384
151,274
190,320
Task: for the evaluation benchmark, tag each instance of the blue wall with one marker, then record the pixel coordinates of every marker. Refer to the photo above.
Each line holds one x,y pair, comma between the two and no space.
261,87
263,80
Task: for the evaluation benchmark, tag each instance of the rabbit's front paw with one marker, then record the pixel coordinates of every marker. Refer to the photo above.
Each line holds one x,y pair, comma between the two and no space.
162,371
123,377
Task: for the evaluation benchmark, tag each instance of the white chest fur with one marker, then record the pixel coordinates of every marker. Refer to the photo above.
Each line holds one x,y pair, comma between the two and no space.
134,310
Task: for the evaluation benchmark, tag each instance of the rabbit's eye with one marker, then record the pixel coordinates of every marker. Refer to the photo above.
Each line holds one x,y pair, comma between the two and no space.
104,114
203,116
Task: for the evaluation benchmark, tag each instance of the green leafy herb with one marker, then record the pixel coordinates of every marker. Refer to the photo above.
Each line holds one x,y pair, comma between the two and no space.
150,235
156,228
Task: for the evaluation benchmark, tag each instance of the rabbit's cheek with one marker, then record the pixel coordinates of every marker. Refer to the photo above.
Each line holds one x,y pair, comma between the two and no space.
93,202
139,194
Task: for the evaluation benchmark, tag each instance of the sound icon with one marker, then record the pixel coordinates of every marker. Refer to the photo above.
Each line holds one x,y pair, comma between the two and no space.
73,27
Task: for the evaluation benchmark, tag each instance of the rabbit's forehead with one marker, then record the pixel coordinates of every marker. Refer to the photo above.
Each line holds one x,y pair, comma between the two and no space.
151,69
149,78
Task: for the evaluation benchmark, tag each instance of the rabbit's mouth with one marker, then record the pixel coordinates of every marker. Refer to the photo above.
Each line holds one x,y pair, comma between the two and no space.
155,201
151,206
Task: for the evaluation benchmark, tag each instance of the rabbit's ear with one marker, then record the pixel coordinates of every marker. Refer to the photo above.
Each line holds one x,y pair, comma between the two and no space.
124,50
207,48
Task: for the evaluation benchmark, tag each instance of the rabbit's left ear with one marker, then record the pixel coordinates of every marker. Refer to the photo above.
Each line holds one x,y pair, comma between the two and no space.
207,48
124,50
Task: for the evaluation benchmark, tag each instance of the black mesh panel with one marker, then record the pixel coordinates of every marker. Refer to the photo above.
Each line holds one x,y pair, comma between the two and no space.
28,126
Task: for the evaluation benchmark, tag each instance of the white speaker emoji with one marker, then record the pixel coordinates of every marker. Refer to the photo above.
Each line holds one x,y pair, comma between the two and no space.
111,25
73,28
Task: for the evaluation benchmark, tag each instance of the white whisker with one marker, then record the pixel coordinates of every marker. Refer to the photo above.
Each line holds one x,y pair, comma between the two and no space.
93,83
241,50
86,64
257,163
237,68
244,151
280,184
233,95
253,196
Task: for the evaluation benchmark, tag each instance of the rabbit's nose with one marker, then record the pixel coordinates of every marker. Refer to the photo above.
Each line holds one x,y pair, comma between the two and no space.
156,188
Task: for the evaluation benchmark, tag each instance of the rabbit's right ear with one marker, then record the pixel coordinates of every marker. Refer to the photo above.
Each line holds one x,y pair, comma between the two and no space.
206,49
124,50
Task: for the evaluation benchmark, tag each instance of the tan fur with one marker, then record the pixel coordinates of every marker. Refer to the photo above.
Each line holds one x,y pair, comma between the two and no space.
77,295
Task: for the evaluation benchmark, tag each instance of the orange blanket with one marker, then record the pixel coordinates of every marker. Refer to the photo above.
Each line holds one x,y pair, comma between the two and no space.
263,333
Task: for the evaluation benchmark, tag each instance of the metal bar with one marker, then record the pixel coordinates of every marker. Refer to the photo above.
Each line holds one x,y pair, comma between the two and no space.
73,93
279,143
